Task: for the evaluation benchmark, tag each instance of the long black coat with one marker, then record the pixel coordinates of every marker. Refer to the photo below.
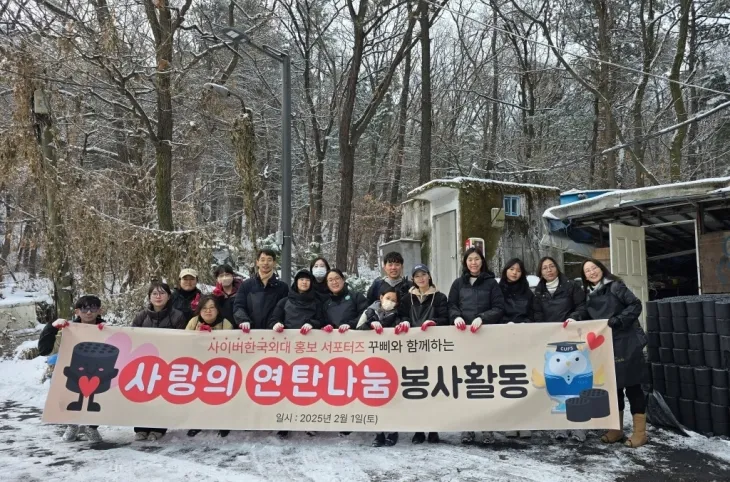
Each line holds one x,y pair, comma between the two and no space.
255,301
518,305
374,290
168,317
615,301
297,309
186,302
482,300
344,308
419,309
567,301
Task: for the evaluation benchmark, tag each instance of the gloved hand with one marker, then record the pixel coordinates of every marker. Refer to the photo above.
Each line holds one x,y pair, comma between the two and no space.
205,327
60,324
613,322
569,320
375,325
328,329
476,324
510,322
460,324
245,327
402,327
343,328
426,324
278,327
306,328
100,326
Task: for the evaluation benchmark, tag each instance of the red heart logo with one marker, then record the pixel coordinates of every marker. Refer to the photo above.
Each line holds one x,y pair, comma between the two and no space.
594,341
88,385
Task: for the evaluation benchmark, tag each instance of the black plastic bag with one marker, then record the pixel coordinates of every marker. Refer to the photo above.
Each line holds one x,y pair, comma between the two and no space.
659,414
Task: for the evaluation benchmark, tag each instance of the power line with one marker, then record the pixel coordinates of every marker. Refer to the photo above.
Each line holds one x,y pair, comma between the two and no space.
564,52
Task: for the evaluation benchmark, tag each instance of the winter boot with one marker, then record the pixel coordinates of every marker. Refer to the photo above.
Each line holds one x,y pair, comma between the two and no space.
467,437
311,434
72,431
92,434
613,436
223,433
639,437
511,434
141,436
433,437
193,432
391,439
283,434
379,439
418,438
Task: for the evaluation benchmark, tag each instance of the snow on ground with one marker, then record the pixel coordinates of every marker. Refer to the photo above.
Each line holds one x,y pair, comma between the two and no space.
25,290
31,451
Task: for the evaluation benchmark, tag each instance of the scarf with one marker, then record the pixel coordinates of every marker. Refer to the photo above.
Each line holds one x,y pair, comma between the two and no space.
552,285
596,287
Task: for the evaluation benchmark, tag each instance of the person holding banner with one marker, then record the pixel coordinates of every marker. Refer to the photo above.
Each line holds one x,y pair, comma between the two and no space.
518,306
475,299
319,269
87,310
424,306
393,267
384,314
257,297
609,297
159,314
556,299
342,308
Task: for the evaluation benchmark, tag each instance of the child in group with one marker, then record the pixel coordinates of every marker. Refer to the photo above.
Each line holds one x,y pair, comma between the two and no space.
87,309
384,314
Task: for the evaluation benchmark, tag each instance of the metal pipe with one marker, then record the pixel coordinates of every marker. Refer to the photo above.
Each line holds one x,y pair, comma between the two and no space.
286,230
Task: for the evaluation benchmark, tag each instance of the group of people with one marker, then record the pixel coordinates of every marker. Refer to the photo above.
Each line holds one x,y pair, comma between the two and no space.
319,298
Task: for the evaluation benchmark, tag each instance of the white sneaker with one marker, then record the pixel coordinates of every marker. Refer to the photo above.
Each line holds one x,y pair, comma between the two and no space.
71,433
525,434
93,435
511,434
141,436
155,436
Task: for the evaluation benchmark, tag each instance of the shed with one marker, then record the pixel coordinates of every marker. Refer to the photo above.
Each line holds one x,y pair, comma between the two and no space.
443,214
666,240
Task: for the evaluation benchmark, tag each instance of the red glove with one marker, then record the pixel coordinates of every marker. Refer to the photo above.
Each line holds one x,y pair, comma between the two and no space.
375,325
565,323
328,329
278,327
306,328
100,326
343,328
426,324
402,327
245,327
204,327
60,324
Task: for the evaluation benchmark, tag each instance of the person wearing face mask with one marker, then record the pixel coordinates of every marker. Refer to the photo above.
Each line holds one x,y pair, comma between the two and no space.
518,306
423,307
475,299
319,269
225,290
186,296
393,267
556,299
607,297
258,296
383,314
342,308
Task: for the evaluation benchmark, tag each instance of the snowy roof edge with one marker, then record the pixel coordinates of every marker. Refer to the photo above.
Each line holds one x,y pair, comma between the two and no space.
617,198
456,181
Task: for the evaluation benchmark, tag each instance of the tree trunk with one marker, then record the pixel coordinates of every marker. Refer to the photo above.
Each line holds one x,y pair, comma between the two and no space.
694,101
675,151
426,107
491,155
607,133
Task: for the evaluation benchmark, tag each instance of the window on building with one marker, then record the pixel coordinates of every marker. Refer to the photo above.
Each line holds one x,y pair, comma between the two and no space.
512,205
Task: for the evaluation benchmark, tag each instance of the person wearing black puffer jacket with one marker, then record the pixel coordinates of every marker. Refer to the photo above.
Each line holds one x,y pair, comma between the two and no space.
556,297
258,296
159,314
186,296
342,308
609,298
319,269
475,299
424,306
518,298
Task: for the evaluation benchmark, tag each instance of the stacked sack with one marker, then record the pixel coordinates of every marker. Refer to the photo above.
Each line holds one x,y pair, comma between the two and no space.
689,351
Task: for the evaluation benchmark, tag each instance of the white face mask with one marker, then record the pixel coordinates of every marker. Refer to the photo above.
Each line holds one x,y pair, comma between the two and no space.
319,272
387,305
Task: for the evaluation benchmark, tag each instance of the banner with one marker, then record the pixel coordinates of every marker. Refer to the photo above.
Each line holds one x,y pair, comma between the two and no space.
537,376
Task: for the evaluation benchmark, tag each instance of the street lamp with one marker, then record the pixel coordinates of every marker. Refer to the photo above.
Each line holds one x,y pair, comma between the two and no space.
223,91
236,35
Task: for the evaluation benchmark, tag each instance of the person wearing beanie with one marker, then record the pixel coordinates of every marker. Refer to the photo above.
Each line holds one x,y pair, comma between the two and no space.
319,269
226,287
424,306
186,296
300,310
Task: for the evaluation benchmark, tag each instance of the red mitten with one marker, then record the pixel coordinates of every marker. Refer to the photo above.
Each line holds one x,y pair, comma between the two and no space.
426,324
204,327
328,329
343,328
402,327
100,326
